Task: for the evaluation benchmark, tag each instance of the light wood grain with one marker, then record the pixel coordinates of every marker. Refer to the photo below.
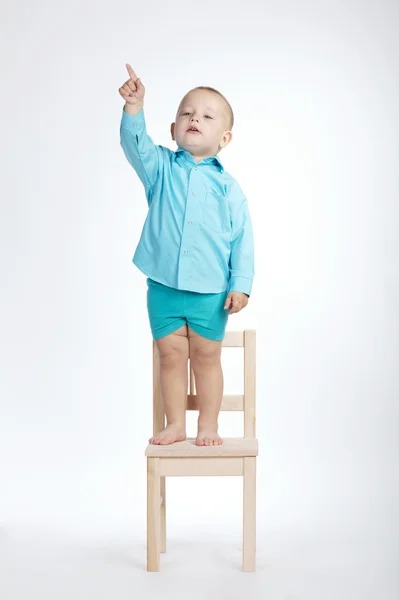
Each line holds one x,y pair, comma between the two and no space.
191,379
249,383
181,467
231,447
233,339
249,517
236,456
153,514
163,514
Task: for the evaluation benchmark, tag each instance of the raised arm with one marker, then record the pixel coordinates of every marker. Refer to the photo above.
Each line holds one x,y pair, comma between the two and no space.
141,152
133,92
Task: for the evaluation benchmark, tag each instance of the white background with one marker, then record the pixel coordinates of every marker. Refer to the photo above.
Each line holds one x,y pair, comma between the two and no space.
314,88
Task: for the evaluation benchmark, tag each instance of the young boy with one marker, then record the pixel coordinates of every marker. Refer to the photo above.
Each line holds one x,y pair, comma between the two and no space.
196,249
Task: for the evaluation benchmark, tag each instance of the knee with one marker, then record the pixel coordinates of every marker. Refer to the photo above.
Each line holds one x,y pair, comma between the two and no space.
205,356
172,353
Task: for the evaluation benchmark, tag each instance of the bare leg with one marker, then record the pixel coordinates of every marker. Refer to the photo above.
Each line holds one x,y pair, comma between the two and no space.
173,354
205,359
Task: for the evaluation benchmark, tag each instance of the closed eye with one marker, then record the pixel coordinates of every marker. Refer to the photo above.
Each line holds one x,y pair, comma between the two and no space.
206,116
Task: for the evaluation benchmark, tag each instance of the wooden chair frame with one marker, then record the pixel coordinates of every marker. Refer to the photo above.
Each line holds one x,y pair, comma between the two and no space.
236,456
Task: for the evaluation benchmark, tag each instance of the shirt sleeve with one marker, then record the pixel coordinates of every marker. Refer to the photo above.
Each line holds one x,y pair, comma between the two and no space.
141,152
241,265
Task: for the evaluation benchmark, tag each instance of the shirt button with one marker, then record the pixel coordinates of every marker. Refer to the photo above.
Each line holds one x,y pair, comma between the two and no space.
190,222
193,193
185,252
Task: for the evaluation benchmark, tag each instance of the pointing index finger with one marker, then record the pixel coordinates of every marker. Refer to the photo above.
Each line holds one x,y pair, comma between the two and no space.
131,72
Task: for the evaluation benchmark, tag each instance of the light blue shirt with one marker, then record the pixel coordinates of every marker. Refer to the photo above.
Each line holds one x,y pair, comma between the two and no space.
198,233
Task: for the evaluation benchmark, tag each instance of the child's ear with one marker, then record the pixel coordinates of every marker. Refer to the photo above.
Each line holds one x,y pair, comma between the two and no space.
226,139
172,131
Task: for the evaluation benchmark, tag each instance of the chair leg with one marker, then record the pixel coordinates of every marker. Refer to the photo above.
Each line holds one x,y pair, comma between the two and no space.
153,514
249,524
163,514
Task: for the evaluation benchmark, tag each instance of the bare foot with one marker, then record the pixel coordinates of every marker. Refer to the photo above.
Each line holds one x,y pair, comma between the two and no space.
208,436
171,434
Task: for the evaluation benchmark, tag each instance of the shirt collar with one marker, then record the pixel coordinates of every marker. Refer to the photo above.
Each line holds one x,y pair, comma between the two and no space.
213,160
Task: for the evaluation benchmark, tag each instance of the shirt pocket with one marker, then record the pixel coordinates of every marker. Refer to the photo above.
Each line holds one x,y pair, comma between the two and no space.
216,215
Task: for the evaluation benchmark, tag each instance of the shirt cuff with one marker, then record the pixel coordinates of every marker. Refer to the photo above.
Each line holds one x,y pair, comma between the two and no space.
133,123
240,284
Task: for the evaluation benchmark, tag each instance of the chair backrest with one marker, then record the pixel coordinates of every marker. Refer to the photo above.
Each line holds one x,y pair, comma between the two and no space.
247,402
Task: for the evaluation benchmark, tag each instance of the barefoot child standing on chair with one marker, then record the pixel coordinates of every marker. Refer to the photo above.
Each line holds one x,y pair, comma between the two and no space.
196,249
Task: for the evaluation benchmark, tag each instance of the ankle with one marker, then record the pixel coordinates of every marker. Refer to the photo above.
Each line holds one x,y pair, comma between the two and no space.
207,424
176,424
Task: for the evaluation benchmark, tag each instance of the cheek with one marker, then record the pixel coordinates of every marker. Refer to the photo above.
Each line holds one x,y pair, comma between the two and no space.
214,131
179,128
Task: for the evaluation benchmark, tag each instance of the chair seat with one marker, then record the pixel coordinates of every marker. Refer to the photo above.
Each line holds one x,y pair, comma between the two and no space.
230,447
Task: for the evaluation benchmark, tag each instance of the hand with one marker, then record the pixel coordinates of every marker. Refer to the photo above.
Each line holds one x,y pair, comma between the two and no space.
132,91
238,300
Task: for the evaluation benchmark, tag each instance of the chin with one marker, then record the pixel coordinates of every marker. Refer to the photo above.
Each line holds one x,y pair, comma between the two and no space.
187,146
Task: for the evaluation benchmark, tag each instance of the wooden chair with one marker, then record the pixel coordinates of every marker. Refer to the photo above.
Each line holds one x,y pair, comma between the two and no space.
236,456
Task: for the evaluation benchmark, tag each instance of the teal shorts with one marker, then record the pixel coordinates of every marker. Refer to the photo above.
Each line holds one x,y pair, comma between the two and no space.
169,309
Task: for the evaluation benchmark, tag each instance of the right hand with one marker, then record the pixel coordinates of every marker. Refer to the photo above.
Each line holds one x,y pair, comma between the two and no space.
132,91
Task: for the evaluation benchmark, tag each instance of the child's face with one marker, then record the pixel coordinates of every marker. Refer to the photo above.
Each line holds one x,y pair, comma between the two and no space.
207,112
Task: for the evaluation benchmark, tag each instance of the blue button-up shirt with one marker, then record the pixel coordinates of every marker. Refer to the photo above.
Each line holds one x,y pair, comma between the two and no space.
198,233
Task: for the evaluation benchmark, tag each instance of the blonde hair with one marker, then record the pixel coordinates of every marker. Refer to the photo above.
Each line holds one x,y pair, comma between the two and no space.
230,113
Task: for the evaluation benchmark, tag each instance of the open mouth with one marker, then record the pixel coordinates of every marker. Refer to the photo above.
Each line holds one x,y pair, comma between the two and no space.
193,130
